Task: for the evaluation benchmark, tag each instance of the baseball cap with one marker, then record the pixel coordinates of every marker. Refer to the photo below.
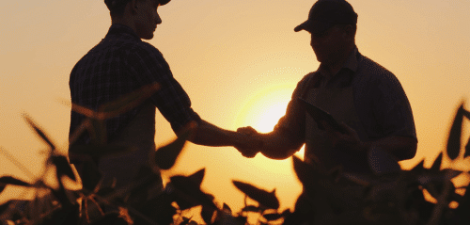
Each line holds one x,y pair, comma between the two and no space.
112,4
326,13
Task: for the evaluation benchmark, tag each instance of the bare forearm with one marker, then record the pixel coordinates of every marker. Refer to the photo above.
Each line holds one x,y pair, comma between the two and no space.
277,145
210,135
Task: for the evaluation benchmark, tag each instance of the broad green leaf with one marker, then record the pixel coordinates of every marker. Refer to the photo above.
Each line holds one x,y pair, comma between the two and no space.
39,132
453,142
265,198
165,157
436,166
63,167
198,176
129,101
382,162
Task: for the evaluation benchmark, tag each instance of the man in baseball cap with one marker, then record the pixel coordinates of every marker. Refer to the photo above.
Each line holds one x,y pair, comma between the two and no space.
326,13
364,97
119,65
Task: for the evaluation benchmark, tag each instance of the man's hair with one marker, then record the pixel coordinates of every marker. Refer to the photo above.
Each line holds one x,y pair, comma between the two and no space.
117,7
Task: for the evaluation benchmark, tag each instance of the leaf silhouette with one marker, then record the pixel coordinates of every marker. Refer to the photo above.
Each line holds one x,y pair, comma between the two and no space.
419,167
96,151
251,208
166,156
272,216
467,149
98,131
188,193
39,132
198,176
13,181
453,142
4,181
302,170
436,166
382,162
267,199
63,167
129,101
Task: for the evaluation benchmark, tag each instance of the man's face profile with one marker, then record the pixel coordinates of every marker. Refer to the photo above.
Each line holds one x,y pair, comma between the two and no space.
147,18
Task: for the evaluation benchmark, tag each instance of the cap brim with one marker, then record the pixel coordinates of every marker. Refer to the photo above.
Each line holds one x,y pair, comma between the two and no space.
303,26
313,26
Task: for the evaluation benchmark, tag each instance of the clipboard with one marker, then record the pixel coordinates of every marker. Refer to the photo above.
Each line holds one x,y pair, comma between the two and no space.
320,115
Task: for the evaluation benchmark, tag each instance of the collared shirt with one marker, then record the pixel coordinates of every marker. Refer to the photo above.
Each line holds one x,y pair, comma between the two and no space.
380,101
121,63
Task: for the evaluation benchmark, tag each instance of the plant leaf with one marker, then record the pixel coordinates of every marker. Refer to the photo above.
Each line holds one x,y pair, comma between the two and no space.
96,151
198,176
382,162
251,208
436,166
272,216
39,132
419,167
267,199
227,208
453,142
188,193
128,102
13,181
467,149
63,167
165,157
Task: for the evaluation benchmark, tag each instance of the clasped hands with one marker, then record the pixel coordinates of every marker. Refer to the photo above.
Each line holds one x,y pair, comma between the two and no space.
250,142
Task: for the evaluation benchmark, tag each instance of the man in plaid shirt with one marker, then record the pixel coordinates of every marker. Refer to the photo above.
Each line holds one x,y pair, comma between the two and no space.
120,64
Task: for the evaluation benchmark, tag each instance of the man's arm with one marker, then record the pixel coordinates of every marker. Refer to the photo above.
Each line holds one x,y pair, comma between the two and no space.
210,135
277,144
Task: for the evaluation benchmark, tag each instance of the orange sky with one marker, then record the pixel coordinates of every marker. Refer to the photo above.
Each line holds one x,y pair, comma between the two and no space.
236,60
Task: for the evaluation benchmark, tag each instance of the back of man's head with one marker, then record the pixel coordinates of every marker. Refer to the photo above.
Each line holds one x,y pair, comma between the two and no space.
117,7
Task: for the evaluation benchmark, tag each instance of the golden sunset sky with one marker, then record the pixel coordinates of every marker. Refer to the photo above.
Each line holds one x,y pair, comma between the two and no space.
239,61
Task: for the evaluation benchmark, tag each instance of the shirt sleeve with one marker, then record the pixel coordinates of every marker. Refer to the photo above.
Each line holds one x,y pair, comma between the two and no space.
392,109
172,101
293,122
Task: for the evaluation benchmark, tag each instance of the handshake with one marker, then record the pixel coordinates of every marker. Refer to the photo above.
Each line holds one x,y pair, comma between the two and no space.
249,142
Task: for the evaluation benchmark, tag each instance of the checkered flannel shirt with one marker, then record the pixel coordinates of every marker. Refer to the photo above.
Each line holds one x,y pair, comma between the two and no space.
119,64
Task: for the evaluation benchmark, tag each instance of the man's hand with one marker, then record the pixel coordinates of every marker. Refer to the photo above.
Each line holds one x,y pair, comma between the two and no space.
250,142
348,140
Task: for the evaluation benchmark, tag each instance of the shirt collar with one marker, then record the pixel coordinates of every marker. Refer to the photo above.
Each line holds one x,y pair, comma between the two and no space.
350,65
120,29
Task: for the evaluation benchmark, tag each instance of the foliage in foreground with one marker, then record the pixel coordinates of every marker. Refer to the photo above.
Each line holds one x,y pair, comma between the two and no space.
389,196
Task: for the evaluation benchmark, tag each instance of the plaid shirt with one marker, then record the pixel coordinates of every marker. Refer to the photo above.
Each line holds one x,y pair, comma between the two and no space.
119,64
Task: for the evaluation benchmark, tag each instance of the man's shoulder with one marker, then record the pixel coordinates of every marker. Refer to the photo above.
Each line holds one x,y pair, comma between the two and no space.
373,71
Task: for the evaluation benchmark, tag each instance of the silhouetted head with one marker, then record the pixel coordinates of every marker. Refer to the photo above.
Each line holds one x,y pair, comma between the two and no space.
116,7
332,25
140,15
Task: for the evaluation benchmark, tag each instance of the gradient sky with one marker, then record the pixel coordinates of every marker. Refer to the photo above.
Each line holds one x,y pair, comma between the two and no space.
239,61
